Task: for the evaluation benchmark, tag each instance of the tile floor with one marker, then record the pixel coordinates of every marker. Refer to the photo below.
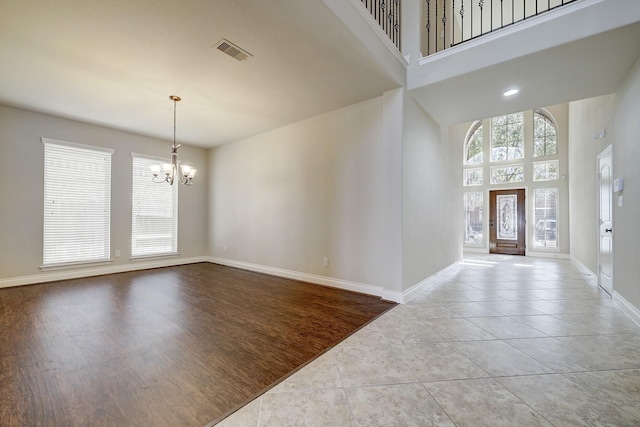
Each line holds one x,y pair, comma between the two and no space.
495,341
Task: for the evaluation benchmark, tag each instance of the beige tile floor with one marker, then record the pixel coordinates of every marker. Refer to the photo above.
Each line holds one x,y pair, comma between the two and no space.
496,341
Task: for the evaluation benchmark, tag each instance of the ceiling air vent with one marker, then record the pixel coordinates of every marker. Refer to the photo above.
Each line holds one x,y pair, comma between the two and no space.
232,50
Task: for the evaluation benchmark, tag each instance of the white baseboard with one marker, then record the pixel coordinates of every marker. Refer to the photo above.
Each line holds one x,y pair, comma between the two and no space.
629,309
386,294
362,288
584,269
419,287
96,271
473,250
541,254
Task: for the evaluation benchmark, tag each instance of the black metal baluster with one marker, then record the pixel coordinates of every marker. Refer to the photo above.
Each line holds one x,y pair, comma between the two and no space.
428,27
462,21
397,24
436,29
444,26
481,4
381,14
390,15
471,20
453,30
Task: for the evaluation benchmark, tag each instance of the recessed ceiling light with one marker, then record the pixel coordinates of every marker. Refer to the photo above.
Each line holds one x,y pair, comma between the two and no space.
511,92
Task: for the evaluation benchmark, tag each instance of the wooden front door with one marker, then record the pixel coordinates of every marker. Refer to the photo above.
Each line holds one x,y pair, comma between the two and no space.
507,222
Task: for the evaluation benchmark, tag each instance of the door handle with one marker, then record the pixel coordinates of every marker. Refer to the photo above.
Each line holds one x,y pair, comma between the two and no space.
608,230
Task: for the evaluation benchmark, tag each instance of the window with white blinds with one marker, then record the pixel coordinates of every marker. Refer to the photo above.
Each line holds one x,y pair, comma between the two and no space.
154,216
77,203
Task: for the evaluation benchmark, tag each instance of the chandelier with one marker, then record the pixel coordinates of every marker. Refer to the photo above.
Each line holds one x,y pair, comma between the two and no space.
170,170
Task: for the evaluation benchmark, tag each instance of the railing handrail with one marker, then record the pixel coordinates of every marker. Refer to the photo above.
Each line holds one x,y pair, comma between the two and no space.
489,14
387,14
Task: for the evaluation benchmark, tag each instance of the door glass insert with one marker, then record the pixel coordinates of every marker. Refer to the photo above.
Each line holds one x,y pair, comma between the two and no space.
507,206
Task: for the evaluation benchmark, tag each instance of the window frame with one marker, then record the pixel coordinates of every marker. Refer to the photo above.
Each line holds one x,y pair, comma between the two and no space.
152,188
465,180
535,220
482,222
511,165
545,162
70,184
549,117
522,139
475,127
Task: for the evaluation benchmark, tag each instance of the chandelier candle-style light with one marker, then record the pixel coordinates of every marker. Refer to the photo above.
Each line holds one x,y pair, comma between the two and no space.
170,170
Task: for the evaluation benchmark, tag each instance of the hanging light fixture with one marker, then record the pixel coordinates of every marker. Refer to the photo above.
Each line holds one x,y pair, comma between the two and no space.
170,170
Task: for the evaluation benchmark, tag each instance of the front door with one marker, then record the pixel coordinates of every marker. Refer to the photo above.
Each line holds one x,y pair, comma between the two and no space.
605,222
507,222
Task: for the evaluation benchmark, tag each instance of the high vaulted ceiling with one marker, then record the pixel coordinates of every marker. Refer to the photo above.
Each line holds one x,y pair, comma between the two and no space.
115,63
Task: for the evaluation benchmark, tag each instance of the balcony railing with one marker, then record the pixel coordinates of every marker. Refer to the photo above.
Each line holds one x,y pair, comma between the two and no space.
449,23
387,15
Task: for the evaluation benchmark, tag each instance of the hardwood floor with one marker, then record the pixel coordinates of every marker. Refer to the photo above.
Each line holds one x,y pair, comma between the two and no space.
177,346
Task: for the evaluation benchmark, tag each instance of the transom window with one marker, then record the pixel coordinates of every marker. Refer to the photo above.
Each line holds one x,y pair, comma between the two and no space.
545,171
545,139
507,174
506,137
473,176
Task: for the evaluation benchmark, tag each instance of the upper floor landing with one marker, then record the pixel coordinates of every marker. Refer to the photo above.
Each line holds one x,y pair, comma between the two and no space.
460,56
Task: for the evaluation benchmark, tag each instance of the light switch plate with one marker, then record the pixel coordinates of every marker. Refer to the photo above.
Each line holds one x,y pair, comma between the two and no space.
618,185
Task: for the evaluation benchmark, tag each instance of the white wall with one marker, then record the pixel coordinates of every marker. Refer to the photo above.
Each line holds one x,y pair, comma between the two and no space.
290,197
618,116
22,188
626,160
369,186
432,197
587,118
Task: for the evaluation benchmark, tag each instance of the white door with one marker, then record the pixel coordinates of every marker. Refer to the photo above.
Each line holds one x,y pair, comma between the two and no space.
605,221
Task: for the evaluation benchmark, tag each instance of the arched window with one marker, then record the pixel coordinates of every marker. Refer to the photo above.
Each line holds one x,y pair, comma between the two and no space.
544,134
473,147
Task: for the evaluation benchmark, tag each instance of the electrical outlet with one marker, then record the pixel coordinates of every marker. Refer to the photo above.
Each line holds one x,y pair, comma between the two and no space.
117,253
225,248
325,262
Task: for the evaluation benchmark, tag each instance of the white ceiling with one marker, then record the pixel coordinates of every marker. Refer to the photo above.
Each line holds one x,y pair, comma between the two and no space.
115,63
585,68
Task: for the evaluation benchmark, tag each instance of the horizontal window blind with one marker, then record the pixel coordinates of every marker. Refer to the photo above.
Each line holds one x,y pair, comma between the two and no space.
154,216
77,203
